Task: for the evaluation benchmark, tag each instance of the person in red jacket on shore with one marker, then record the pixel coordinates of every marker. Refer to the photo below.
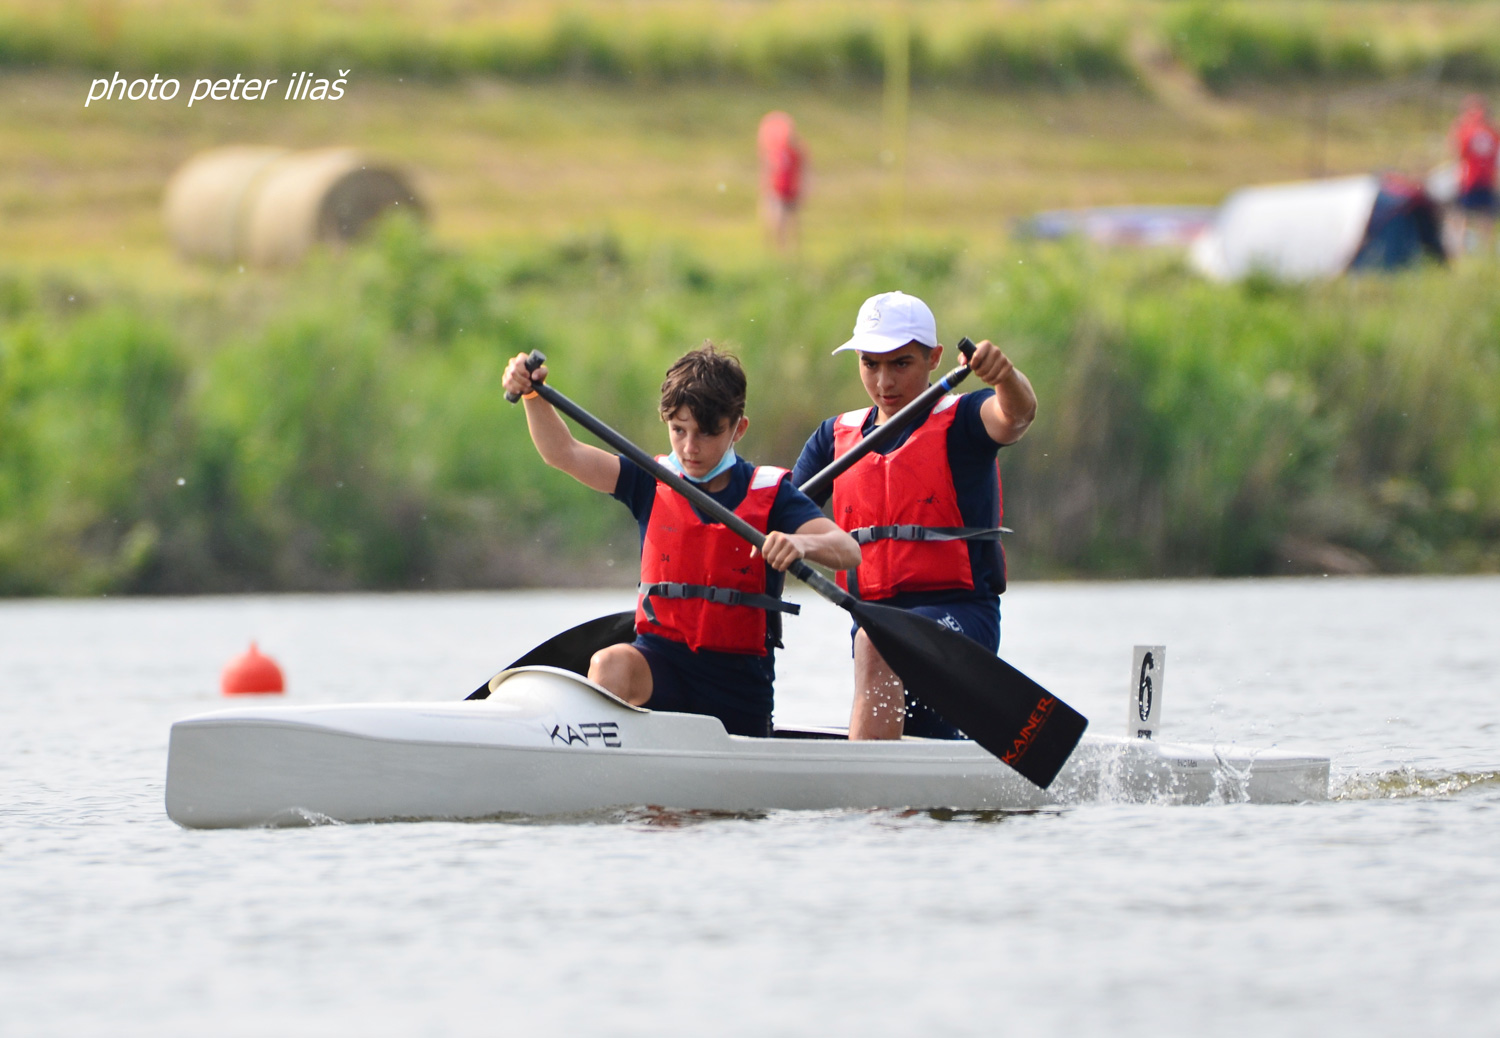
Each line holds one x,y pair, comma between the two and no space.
708,611
1477,143
781,162
926,510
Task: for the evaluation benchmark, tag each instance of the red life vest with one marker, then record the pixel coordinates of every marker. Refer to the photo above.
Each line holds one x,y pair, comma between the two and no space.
895,500
693,573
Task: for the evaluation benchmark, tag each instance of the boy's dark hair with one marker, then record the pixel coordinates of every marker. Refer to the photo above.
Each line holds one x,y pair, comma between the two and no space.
709,383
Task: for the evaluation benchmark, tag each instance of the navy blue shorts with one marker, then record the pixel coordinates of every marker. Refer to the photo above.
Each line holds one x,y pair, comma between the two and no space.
979,621
1479,199
734,688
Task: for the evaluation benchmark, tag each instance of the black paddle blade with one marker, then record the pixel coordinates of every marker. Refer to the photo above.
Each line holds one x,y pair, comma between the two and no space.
993,703
573,649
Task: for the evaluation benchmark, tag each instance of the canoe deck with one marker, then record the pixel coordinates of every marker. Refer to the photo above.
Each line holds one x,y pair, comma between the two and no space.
547,742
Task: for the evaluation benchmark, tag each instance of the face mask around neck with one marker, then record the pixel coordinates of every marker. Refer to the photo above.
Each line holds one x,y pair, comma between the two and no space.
724,465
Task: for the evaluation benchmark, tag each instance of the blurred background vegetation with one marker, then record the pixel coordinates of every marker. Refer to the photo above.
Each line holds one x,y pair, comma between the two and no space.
968,43
591,171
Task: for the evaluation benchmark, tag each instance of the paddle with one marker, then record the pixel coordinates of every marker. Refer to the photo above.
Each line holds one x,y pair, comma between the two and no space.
994,704
573,648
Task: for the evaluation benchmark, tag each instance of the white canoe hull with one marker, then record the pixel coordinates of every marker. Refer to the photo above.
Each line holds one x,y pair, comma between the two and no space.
547,742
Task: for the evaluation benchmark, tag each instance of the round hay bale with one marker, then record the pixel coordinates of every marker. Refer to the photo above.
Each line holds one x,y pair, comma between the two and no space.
207,201
268,206
313,196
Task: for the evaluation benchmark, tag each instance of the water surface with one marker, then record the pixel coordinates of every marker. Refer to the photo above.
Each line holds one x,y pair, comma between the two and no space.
1377,913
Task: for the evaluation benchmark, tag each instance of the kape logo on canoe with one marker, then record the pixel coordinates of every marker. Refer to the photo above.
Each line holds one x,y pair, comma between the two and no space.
606,733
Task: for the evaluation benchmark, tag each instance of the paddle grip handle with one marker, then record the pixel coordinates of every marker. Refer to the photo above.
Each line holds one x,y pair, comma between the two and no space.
536,360
957,375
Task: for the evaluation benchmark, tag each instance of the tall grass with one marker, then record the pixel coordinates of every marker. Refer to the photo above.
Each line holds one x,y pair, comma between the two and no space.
345,427
1229,44
1204,429
954,42
831,42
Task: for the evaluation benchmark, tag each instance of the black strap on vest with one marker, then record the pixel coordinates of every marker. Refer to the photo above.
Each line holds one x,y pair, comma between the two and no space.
913,532
717,595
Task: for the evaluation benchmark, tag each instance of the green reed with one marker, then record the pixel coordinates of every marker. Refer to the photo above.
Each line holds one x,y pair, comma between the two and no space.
345,427
833,42
1231,44
954,42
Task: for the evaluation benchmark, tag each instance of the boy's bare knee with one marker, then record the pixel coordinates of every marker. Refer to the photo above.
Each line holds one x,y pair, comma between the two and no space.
624,671
603,663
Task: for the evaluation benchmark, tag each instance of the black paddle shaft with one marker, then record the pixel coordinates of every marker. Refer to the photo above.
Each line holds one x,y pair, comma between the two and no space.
893,427
989,700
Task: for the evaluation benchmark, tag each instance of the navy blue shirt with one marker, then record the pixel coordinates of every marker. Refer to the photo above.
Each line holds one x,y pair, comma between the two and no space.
752,676
971,455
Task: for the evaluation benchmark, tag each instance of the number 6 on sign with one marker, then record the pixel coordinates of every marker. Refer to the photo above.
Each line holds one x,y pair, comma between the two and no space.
1148,670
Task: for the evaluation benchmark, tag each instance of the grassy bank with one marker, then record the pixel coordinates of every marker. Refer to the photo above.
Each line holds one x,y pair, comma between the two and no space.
343,427
663,41
1233,44
1065,43
517,163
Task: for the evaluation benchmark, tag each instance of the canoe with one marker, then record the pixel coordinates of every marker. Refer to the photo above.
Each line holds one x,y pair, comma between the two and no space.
548,742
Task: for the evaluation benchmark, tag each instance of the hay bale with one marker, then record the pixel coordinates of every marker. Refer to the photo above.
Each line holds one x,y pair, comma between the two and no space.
208,199
268,206
327,196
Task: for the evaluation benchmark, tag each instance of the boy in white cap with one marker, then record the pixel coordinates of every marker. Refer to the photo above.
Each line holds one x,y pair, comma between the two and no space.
926,509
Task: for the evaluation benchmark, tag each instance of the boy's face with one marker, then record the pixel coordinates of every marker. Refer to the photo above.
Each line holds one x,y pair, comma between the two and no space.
895,379
700,451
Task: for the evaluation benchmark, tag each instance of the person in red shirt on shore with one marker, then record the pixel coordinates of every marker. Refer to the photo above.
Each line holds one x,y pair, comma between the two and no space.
781,162
1478,143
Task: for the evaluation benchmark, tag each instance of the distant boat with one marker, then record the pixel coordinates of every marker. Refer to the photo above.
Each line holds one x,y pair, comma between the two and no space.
1127,225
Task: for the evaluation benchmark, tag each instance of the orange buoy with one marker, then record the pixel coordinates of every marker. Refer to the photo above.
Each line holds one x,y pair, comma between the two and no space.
252,674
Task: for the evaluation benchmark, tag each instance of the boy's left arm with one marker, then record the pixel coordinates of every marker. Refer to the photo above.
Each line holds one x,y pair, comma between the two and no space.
1009,413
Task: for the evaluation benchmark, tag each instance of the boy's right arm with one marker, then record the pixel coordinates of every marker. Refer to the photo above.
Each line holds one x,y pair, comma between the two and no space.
594,468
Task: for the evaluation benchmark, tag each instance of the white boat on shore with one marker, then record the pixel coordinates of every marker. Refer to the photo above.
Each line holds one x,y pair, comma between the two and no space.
548,742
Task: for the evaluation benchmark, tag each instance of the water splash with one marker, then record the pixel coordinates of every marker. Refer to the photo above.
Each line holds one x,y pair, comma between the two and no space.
299,818
1407,783
1231,784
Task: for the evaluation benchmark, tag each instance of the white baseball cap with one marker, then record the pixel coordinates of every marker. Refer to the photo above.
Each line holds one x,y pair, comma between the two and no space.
891,320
